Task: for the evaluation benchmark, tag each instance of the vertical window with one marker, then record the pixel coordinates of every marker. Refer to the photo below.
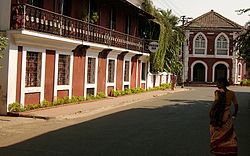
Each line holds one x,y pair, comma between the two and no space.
63,70
37,3
111,71
128,25
143,71
91,70
113,19
126,71
222,45
66,9
200,45
33,69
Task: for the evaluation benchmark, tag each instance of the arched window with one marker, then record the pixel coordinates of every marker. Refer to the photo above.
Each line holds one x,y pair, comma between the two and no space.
222,45
199,44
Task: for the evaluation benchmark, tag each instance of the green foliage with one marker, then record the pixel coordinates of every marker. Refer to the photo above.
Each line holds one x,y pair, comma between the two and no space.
243,44
32,107
46,103
3,45
245,82
15,107
90,97
100,95
117,93
170,39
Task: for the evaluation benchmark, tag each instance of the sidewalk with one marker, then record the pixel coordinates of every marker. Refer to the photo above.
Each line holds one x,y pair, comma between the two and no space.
93,107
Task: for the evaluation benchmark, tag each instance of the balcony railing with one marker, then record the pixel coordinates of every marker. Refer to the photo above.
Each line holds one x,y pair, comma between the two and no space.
29,17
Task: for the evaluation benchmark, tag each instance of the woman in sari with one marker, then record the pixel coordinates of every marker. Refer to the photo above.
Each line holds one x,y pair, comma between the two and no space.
223,141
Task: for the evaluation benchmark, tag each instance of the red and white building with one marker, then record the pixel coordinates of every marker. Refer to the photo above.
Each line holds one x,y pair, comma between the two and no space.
54,53
209,51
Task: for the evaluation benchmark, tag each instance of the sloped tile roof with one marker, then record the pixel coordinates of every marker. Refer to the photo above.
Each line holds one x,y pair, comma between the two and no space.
213,20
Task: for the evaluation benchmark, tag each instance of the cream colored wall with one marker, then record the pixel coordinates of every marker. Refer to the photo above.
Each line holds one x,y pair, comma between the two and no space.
136,2
5,9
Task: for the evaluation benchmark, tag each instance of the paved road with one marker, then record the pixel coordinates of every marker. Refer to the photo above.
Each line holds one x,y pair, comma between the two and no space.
172,125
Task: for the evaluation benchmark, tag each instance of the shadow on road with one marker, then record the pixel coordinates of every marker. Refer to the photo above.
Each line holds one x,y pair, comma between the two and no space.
180,129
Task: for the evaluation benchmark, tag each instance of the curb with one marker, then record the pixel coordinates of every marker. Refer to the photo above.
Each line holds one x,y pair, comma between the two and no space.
98,110
16,114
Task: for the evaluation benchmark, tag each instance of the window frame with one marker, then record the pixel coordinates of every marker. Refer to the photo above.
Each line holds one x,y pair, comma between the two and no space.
194,39
114,75
38,76
39,89
216,43
68,86
91,54
145,72
129,72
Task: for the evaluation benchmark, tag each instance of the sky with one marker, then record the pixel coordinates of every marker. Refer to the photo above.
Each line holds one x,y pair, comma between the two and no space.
195,8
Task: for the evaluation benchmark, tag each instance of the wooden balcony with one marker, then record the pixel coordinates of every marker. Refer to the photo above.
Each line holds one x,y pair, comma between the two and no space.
29,17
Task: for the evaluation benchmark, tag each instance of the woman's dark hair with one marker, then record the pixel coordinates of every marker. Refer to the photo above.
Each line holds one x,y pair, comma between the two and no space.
224,81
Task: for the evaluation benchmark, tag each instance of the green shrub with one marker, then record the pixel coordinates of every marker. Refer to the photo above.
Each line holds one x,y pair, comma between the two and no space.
100,95
15,107
127,91
32,107
66,100
245,82
117,93
90,97
46,103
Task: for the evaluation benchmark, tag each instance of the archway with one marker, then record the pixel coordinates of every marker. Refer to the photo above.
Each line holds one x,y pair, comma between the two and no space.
199,73
220,71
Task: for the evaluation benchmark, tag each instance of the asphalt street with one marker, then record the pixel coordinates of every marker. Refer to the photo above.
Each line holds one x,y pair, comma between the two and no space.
171,125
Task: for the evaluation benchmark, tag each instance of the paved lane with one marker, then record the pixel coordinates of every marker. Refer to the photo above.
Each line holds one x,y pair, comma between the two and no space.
172,125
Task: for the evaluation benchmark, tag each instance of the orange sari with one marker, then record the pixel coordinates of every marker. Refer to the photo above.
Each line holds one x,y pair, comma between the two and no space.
223,139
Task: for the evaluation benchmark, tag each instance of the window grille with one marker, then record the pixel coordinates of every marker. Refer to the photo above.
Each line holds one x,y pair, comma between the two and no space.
91,70
143,71
126,71
33,69
111,71
63,70
222,45
200,45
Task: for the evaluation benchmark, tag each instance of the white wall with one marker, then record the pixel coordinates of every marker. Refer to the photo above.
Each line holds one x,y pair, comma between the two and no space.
5,10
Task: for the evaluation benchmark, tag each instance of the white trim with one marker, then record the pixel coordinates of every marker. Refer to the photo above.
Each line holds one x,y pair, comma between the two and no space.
90,54
211,56
26,37
10,74
192,69
143,81
214,66
205,53
32,89
63,87
126,82
215,45
136,74
108,84
239,73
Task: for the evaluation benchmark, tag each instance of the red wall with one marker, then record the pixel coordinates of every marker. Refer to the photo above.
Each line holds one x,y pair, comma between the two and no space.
210,62
19,74
210,41
102,63
49,75
62,93
139,73
119,70
79,72
32,98
133,73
